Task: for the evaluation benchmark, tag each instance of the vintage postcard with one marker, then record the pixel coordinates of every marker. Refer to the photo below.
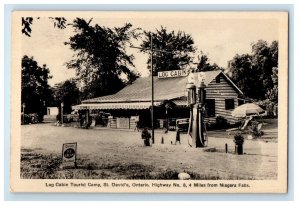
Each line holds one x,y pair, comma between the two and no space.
149,102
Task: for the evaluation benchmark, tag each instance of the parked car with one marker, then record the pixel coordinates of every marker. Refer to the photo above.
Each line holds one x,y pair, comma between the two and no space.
182,124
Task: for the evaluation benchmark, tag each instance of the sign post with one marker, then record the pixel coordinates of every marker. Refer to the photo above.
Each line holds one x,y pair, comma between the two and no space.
69,151
152,90
152,50
23,106
62,113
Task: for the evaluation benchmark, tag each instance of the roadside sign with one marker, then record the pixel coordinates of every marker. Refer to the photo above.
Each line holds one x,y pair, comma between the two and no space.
172,74
69,151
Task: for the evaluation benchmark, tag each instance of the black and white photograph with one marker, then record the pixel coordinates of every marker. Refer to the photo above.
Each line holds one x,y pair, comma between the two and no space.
149,102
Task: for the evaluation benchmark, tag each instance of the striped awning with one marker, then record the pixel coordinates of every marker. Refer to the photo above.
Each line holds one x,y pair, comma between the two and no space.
121,105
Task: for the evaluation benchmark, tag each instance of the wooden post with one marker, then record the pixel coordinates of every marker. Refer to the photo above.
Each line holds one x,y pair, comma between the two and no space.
226,148
167,120
152,88
87,116
62,113
152,99
23,106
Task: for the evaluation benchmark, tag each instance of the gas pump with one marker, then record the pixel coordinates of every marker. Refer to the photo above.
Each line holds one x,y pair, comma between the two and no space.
196,99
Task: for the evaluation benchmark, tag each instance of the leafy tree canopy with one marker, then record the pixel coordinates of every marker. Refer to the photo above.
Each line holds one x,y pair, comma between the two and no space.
68,93
59,22
253,72
101,60
36,92
205,65
172,51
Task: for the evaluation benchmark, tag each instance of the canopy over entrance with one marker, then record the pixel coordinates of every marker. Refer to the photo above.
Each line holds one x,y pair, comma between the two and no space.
120,105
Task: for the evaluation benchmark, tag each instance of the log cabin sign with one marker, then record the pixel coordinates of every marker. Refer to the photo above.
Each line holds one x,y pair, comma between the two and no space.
172,74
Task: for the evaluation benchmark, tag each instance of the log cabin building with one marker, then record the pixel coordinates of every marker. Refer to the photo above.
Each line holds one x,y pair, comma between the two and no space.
133,103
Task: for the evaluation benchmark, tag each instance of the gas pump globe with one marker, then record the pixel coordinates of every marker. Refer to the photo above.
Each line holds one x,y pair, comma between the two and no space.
191,91
196,102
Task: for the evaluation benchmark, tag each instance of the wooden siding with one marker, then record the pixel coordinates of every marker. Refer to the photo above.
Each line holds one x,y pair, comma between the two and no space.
220,92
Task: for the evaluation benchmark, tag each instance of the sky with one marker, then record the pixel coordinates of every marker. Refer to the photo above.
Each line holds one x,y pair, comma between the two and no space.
218,35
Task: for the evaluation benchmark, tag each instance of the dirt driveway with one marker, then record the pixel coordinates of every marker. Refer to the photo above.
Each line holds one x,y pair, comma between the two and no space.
103,149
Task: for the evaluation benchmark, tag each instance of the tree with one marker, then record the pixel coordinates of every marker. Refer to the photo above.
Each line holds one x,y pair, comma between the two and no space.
172,51
101,60
253,72
59,22
272,93
265,58
246,76
204,64
36,92
68,93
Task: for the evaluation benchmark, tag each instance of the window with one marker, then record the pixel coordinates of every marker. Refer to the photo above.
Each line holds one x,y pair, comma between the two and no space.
241,102
218,79
229,104
210,107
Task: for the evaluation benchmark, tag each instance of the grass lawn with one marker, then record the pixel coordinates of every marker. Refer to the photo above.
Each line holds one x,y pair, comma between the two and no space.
115,154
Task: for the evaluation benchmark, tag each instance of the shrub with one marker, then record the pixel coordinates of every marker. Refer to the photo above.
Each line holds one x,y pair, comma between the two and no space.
238,139
253,130
270,106
31,118
221,123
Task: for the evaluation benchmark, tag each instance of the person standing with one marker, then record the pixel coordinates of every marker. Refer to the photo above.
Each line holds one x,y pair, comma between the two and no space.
137,123
146,137
177,136
137,126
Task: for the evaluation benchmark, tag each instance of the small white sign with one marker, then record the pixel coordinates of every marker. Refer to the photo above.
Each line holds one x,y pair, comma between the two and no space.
172,74
69,151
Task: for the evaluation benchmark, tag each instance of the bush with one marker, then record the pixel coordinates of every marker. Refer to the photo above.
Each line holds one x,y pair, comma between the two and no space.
25,119
31,118
221,122
238,139
270,106
254,130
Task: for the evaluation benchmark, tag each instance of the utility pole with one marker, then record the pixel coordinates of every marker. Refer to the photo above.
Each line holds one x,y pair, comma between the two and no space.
152,81
152,89
23,106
